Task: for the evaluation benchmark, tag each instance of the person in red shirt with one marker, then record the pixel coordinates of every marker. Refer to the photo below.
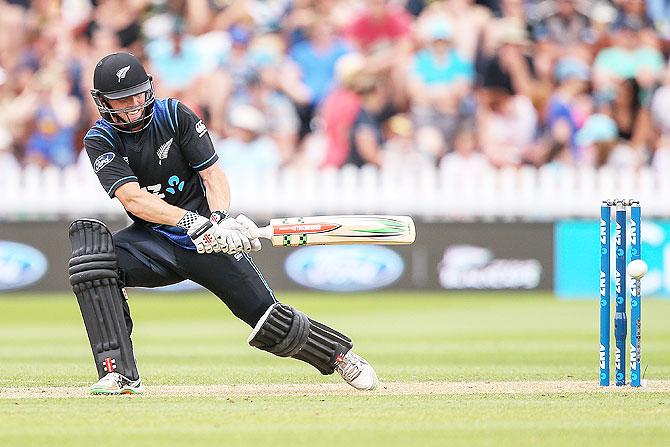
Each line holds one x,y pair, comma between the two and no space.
379,25
382,33
338,111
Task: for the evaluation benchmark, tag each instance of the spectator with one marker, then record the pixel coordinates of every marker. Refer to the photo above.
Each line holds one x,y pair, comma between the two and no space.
630,110
598,138
631,12
238,63
315,58
52,140
439,81
176,61
281,119
247,149
382,32
630,55
379,27
507,128
120,17
565,111
340,108
601,17
468,20
566,27
270,56
658,12
266,15
466,159
401,151
511,68
366,136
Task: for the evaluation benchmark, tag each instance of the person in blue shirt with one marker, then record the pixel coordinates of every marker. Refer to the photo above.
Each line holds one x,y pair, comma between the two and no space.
440,79
316,57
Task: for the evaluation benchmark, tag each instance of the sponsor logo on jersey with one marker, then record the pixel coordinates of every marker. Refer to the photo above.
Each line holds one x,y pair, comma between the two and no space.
103,161
176,182
162,151
200,128
126,160
155,190
121,74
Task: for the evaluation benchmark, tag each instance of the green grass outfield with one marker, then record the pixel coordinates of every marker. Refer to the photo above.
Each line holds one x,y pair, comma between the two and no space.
459,370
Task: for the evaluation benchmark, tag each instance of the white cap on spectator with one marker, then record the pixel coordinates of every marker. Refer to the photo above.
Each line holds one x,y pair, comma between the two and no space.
248,118
435,28
439,30
512,31
348,67
603,12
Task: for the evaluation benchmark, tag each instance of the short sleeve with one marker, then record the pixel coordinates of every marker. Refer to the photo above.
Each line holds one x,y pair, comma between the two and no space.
194,139
112,170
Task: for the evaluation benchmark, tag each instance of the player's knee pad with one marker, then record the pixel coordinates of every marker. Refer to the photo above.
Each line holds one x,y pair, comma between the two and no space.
287,332
94,278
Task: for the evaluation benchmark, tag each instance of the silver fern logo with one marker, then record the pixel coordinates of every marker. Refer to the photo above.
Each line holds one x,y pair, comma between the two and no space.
122,73
162,151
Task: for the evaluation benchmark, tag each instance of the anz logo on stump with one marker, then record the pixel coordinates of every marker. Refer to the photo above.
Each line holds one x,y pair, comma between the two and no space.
20,265
347,268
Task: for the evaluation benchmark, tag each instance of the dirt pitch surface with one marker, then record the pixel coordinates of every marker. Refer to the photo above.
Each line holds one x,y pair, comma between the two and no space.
387,388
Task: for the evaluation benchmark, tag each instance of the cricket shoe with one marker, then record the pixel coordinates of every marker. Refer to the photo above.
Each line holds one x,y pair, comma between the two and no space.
115,383
356,371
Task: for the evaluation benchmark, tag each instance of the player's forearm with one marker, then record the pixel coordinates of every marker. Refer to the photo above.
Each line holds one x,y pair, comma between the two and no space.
216,185
148,206
152,209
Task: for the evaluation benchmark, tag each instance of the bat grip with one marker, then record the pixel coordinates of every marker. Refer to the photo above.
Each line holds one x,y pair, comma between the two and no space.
266,232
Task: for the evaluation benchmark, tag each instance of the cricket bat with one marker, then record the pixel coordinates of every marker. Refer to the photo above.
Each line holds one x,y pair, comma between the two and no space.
338,230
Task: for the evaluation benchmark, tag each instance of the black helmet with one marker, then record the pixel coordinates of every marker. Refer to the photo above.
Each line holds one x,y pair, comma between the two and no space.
120,75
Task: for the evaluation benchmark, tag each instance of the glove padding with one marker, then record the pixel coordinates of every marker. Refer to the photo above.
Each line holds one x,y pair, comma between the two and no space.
205,235
251,230
236,237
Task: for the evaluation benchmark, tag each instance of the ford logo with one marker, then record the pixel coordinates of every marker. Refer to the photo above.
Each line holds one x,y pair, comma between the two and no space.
103,161
349,268
20,265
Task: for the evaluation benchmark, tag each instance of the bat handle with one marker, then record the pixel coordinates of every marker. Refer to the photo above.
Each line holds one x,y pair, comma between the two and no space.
266,232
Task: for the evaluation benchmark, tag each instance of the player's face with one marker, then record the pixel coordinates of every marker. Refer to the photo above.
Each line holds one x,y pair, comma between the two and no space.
129,109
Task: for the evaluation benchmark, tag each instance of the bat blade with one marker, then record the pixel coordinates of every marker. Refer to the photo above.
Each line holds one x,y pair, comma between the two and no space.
338,230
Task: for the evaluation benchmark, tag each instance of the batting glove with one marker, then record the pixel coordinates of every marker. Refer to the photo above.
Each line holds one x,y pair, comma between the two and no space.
236,237
251,230
204,234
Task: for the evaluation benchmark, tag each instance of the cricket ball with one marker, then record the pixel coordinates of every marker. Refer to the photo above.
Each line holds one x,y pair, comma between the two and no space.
637,268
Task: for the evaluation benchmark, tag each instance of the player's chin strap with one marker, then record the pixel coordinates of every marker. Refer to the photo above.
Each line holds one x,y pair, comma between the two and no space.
287,332
95,282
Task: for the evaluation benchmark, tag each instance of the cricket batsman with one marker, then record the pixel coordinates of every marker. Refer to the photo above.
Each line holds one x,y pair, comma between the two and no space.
156,157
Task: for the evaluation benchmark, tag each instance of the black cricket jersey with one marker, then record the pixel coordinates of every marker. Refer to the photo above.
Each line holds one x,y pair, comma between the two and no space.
164,158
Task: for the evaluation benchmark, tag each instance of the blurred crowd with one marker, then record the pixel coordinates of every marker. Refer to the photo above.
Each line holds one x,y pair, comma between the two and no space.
459,84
